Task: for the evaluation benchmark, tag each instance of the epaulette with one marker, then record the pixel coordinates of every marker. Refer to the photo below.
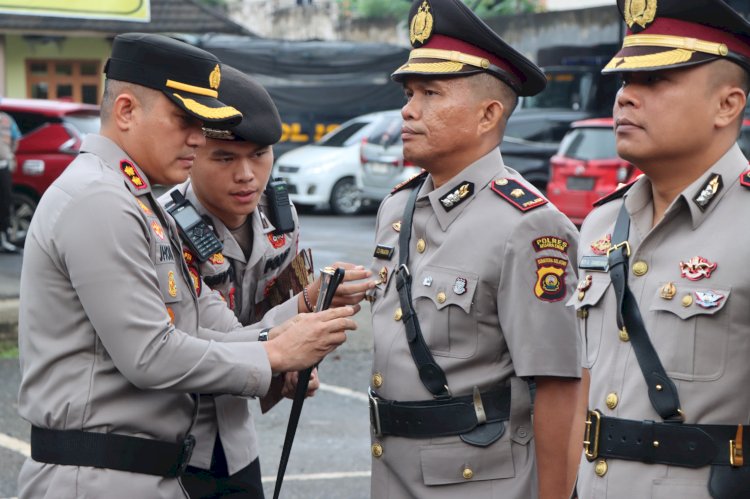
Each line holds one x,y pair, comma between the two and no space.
616,194
745,179
410,182
517,194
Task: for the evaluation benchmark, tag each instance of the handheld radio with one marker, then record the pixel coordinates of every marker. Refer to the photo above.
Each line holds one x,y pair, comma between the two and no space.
194,231
280,206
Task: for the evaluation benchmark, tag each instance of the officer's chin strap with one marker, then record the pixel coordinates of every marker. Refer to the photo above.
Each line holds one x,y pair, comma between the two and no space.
661,389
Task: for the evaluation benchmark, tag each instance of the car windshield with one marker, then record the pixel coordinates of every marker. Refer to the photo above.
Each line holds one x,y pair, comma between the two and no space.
589,143
345,135
565,90
386,132
84,123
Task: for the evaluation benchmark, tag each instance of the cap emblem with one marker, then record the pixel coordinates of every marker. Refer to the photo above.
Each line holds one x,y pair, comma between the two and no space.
421,24
214,79
640,12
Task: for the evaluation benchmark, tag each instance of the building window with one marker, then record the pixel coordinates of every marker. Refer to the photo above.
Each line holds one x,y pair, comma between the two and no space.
77,81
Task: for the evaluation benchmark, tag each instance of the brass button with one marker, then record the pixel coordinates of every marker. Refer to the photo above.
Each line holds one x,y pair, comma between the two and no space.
377,380
501,181
421,245
582,313
640,268
441,297
468,474
624,336
612,400
397,316
687,300
377,449
581,295
600,468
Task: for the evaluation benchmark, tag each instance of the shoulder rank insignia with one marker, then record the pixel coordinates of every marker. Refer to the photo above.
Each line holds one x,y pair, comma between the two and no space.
457,196
616,194
517,194
745,179
131,172
708,192
277,241
410,182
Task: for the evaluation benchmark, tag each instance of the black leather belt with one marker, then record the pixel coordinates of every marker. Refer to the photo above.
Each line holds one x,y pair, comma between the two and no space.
436,418
689,445
110,450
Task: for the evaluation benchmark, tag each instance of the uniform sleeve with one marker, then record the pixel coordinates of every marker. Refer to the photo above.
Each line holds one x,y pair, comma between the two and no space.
103,244
538,274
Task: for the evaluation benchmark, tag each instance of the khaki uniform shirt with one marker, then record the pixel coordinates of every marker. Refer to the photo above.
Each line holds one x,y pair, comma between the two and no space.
701,338
476,291
111,333
241,282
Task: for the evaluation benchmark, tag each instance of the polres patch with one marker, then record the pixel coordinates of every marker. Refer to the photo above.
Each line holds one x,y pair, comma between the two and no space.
550,242
550,282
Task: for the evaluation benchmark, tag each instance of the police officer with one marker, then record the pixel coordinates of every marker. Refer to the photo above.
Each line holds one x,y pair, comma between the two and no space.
474,268
112,335
226,185
662,300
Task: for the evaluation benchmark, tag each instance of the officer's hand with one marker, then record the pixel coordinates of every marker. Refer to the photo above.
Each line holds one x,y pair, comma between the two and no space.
348,292
305,339
290,384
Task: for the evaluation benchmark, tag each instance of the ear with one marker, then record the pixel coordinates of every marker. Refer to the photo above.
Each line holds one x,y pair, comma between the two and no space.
123,111
491,116
731,105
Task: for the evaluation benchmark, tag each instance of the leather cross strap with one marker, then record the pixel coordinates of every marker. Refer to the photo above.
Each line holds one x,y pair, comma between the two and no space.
430,373
661,389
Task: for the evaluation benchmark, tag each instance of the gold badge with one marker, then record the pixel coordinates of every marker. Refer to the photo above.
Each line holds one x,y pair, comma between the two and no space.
396,226
157,229
640,12
383,274
216,258
171,315
517,193
172,284
421,24
668,291
214,79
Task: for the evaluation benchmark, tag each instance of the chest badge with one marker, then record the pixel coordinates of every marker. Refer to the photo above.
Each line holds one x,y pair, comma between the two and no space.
459,287
383,275
708,298
172,284
600,246
216,258
396,226
668,291
277,241
585,283
427,281
145,208
156,227
697,268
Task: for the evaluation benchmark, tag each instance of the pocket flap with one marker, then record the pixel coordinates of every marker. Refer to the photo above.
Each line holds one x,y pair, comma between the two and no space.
444,464
445,287
690,300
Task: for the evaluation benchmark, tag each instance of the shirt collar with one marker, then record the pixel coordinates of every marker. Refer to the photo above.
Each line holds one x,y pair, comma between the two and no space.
118,160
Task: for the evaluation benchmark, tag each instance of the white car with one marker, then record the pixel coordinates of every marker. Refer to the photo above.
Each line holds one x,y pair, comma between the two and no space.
324,174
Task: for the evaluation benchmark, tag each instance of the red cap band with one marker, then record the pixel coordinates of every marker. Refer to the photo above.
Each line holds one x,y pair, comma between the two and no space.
685,29
443,42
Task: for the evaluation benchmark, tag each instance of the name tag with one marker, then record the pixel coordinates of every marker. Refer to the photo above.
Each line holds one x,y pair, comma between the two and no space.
383,252
594,263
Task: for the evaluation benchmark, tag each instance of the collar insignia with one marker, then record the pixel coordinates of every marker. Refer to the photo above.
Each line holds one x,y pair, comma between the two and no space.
697,268
640,12
453,199
421,24
708,192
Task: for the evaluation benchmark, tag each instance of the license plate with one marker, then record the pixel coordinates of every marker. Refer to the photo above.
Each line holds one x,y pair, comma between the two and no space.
580,183
379,168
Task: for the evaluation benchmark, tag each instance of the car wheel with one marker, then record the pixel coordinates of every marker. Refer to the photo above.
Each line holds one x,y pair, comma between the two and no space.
21,211
345,197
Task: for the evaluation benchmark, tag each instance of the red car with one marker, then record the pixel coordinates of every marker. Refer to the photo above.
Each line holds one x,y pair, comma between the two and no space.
52,133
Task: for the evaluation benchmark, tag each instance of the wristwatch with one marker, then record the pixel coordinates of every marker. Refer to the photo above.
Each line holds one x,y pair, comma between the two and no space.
263,335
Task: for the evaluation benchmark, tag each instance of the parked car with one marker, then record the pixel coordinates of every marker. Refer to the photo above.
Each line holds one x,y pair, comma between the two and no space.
586,166
52,133
382,155
324,174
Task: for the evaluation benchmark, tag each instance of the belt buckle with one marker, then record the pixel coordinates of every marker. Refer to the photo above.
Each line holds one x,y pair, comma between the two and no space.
374,414
186,453
736,452
591,435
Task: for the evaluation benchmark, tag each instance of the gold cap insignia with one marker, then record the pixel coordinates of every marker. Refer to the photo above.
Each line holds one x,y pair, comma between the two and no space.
421,24
640,12
214,79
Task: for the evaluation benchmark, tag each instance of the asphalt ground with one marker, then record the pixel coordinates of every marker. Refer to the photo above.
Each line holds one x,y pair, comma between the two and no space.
331,453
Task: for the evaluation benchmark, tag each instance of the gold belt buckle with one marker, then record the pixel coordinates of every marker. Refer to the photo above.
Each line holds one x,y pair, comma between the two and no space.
591,435
736,452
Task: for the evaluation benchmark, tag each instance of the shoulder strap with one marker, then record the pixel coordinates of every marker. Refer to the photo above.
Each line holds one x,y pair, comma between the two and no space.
661,390
432,376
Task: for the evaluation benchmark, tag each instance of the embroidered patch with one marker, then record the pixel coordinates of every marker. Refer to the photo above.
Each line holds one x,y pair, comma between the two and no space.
550,242
171,315
601,246
275,262
157,229
745,179
196,279
383,252
188,256
396,226
697,268
550,282
708,192
145,208
131,172
216,258
668,291
172,284
459,287
708,298
165,253
517,194
457,196
277,241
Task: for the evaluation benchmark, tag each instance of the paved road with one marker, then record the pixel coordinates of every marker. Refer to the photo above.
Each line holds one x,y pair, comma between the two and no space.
331,455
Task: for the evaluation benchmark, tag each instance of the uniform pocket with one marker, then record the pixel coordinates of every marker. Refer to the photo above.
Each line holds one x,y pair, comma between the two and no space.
587,301
671,488
445,463
443,299
690,332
